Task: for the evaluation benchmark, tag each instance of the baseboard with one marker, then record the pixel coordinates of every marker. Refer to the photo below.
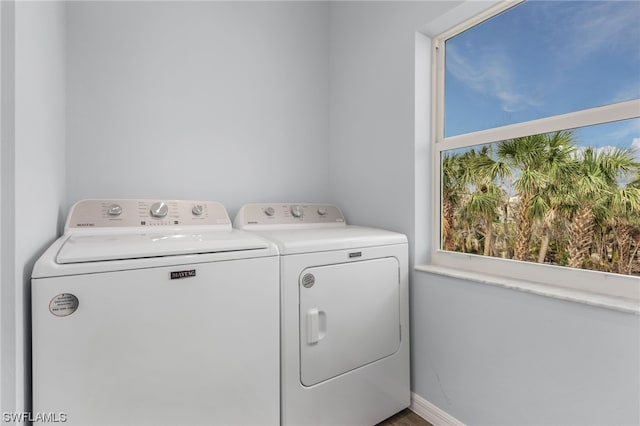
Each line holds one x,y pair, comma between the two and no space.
431,413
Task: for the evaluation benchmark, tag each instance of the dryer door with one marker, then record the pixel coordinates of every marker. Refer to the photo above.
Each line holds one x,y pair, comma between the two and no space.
349,317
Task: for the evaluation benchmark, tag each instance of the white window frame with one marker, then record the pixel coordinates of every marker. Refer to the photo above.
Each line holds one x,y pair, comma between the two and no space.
597,283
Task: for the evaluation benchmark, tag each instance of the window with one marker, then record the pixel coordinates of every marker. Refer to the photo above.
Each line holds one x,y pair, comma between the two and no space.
537,144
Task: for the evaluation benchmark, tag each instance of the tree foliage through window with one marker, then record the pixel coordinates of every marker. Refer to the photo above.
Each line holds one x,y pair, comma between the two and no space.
544,198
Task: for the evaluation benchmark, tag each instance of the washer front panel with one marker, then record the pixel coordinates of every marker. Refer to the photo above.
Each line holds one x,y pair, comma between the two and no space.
189,344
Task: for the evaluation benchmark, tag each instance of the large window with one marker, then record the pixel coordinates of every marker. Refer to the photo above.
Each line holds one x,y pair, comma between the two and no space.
537,131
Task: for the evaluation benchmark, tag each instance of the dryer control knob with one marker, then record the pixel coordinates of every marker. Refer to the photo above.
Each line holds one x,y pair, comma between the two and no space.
296,211
197,210
159,209
114,210
322,211
269,211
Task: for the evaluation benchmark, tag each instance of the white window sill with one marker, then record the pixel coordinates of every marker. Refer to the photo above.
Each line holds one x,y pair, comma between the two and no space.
572,295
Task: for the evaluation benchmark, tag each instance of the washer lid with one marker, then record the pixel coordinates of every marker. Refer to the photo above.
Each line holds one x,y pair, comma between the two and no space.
94,248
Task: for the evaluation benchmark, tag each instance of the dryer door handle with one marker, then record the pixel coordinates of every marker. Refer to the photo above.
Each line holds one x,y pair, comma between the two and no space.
316,325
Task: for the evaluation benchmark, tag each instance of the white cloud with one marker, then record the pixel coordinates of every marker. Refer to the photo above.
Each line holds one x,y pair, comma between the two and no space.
626,130
631,91
585,30
603,26
492,74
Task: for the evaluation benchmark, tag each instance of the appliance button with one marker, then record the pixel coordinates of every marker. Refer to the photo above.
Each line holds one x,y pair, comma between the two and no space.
159,209
114,210
297,211
197,210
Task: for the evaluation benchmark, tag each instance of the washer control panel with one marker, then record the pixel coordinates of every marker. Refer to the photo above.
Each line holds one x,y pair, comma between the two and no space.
282,214
94,214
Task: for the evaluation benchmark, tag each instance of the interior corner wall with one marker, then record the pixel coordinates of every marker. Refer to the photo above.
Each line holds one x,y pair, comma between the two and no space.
372,109
224,101
372,136
33,176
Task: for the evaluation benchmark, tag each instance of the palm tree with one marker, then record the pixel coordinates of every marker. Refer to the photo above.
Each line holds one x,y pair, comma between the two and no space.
486,193
595,194
454,178
625,210
542,162
547,223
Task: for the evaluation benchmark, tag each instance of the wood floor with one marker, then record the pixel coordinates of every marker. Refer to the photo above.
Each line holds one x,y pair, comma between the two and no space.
405,418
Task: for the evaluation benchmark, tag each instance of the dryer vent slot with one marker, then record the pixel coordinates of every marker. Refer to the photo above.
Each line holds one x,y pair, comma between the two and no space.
355,254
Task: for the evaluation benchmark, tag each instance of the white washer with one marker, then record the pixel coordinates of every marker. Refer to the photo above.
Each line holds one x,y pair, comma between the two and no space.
344,314
156,313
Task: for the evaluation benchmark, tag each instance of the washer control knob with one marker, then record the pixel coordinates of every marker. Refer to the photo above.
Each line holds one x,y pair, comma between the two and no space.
159,209
269,211
296,211
114,210
322,211
197,209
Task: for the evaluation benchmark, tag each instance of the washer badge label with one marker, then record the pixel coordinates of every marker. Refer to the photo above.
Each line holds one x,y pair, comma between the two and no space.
176,275
308,280
63,304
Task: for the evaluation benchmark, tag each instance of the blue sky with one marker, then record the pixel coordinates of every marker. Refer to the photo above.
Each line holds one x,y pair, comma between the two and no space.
543,58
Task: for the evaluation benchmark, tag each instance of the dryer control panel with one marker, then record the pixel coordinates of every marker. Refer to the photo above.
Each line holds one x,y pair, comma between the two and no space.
137,214
283,215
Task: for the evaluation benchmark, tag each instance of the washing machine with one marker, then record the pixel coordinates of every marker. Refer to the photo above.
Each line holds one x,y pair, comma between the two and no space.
151,312
344,314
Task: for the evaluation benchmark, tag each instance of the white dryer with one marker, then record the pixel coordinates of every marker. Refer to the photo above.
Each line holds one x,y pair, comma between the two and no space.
344,314
156,313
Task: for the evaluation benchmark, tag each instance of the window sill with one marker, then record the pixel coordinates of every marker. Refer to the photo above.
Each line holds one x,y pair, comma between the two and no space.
571,295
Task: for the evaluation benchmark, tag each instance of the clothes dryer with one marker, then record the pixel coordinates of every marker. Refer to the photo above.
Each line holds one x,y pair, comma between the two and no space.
344,314
156,313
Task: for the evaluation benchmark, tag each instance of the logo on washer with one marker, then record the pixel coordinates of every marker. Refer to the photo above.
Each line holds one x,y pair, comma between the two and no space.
63,304
308,280
176,275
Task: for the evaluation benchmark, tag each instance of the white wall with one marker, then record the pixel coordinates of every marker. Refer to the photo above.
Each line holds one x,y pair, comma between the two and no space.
33,173
485,355
224,101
